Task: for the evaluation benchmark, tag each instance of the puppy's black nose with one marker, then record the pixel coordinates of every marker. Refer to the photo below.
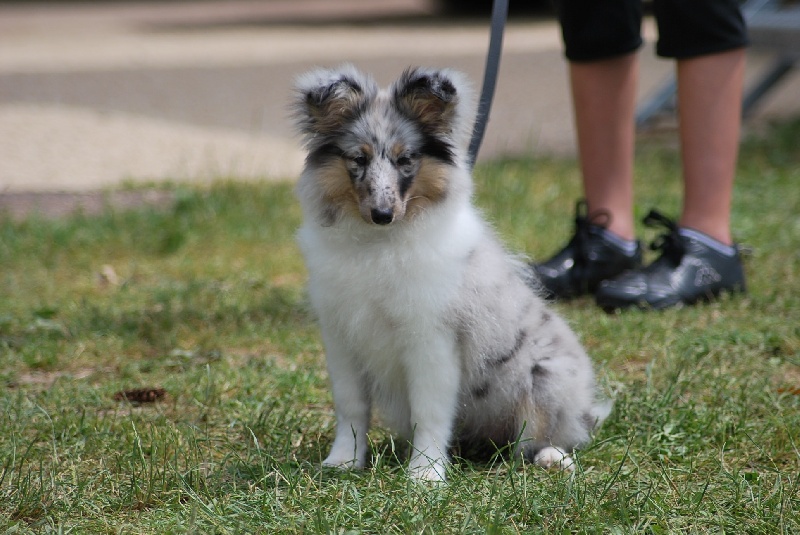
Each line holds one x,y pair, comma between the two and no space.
382,217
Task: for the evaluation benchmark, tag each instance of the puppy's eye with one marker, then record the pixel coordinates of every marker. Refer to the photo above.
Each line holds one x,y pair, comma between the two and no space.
359,160
404,161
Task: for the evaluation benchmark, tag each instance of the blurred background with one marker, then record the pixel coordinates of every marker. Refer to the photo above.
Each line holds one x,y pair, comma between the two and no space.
98,94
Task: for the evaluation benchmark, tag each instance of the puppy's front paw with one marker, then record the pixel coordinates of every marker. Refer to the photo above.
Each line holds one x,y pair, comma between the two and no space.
551,457
426,470
344,464
343,457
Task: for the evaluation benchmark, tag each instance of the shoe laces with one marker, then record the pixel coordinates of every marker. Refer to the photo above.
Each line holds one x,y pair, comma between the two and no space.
671,243
584,221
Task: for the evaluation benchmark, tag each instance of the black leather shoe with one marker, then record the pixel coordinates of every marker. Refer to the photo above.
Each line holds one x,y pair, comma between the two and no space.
587,259
687,271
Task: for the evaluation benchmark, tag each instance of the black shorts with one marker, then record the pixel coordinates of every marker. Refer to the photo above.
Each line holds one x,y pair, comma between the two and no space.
601,29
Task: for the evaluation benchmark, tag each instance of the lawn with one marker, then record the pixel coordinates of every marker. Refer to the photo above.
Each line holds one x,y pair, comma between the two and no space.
197,311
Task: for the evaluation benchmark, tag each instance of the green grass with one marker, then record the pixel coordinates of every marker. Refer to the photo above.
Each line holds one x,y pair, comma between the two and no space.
206,301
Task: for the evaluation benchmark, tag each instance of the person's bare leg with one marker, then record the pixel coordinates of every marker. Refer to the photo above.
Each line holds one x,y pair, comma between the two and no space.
604,97
710,103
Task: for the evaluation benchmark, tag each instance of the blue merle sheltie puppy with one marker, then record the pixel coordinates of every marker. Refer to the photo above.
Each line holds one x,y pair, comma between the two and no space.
424,316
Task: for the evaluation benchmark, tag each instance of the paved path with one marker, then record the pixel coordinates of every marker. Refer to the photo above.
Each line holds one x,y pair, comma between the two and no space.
94,95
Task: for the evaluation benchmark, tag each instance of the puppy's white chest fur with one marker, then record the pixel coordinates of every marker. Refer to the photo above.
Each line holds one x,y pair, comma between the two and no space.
393,284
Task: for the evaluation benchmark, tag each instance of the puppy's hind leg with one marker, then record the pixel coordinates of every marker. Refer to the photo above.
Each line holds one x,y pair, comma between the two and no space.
351,400
534,440
552,457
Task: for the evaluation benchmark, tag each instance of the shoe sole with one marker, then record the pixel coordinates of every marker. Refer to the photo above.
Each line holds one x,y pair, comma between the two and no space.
612,305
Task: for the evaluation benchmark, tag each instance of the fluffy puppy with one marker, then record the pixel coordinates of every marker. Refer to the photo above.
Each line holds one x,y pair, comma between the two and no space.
424,316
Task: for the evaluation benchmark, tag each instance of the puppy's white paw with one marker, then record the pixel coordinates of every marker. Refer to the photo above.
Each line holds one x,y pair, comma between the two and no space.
552,457
342,460
346,453
426,471
344,464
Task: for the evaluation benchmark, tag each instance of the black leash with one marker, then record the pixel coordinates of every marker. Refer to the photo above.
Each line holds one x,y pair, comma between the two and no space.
499,16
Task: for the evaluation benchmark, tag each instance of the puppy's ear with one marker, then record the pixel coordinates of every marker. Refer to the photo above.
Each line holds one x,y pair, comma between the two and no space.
329,98
428,97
